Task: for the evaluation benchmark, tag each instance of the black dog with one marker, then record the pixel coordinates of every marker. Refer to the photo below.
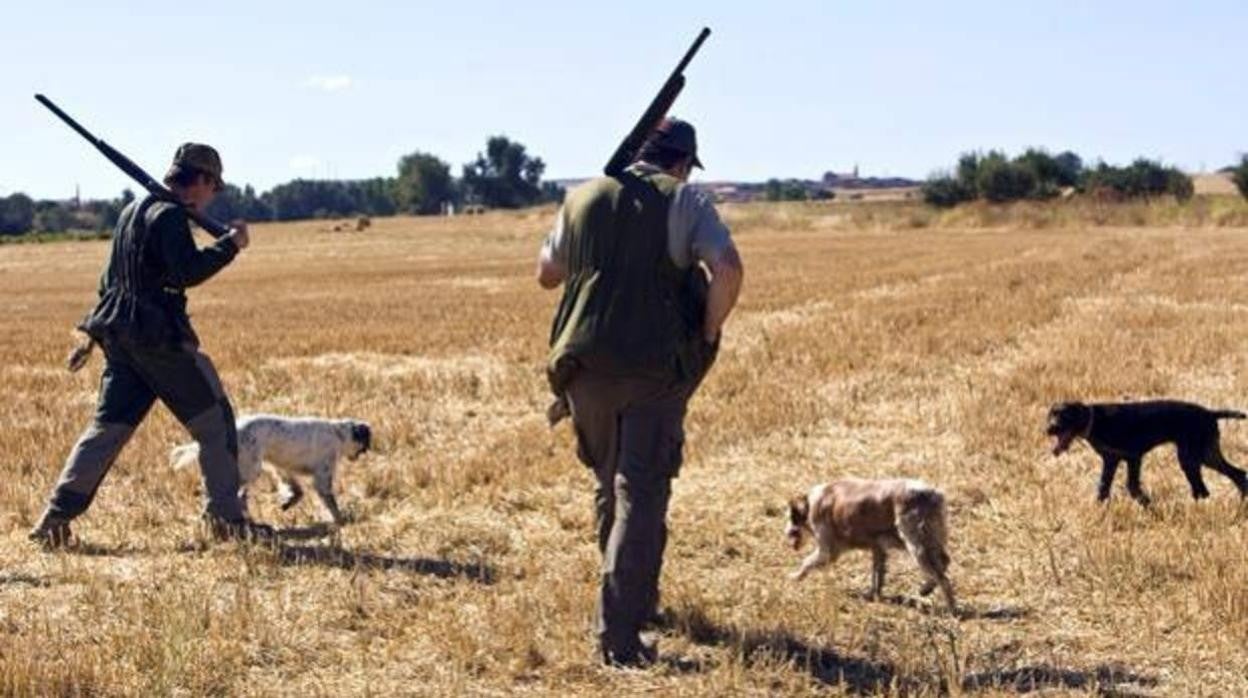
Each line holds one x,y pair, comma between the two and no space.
1126,431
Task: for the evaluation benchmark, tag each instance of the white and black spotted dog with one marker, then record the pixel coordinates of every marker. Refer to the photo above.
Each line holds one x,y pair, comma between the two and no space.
291,446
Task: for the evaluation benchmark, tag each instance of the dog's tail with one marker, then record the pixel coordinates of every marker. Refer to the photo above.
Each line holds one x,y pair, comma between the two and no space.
184,455
1229,414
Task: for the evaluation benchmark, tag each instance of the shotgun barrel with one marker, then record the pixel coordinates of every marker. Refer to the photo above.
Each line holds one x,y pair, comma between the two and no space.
125,164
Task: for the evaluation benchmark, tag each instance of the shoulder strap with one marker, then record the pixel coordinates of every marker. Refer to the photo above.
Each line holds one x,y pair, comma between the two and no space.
134,246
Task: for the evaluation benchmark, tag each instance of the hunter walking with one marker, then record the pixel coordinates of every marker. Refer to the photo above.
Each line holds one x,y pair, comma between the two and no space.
152,353
636,331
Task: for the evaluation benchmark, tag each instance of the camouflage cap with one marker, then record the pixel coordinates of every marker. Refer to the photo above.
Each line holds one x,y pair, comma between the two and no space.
197,157
679,135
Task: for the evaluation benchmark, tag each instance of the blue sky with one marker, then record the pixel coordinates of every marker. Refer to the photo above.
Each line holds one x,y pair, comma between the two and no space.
343,89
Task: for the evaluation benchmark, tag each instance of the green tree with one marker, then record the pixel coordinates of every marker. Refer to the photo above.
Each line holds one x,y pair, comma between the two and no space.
1141,179
968,171
311,198
1070,168
999,180
17,214
424,184
504,176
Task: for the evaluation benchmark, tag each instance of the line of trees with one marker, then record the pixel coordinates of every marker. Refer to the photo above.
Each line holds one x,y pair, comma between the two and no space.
504,175
1036,174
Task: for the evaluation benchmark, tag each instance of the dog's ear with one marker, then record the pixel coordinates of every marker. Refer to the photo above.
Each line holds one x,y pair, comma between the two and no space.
799,510
362,435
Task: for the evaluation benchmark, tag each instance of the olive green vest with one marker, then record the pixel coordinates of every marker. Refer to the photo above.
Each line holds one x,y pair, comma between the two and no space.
627,309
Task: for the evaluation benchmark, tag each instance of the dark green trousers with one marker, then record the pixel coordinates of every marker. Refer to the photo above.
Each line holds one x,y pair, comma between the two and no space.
134,377
630,432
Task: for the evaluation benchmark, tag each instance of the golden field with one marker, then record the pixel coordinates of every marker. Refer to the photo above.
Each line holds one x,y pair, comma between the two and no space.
869,341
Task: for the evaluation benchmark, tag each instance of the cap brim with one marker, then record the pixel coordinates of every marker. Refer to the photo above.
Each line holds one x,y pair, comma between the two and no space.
698,163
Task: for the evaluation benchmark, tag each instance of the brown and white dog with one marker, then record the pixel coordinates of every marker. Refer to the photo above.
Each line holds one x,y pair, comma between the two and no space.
875,515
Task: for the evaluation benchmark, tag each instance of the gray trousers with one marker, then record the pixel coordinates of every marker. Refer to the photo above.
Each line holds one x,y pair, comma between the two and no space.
134,377
630,432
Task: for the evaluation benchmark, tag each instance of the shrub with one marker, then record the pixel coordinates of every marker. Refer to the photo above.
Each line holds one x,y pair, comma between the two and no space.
1142,179
946,192
1180,185
1000,180
1239,174
784,190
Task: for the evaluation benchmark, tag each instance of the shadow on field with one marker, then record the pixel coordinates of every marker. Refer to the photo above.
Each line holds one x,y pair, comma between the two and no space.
85,549
311,532
965,611
858,676
861,676
1105,680
341,558
22,579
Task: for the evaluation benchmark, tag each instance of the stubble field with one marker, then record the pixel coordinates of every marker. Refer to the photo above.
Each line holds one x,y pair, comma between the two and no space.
470,569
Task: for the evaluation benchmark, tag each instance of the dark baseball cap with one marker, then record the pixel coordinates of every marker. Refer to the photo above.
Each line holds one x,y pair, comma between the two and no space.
198,157
679,135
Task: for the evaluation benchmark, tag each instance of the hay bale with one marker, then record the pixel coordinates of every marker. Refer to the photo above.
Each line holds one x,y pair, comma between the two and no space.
363,222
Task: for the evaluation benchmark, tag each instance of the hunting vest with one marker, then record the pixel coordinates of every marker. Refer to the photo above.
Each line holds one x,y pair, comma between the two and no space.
134,305
627,309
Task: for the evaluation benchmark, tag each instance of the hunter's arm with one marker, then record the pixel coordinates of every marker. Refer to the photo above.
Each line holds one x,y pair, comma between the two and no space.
552,268
727,273
185,264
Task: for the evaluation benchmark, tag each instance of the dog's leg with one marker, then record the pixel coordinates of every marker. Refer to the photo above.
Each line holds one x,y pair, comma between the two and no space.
323,481
946,588
879,560
289,492
1190,461
1109,467
933,563
1133,481
816,559
1218,462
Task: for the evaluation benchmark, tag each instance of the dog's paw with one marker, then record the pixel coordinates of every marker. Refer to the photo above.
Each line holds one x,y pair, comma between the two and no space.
927,588
290,499
797,576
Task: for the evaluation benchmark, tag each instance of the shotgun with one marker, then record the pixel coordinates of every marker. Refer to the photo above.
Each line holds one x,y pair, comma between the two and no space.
627,152
125,164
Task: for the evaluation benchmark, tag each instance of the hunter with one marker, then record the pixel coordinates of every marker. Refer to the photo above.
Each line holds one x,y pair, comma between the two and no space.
636,331
152,353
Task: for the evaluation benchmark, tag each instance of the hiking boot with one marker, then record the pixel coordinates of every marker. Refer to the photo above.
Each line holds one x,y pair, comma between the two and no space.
52,532
244,530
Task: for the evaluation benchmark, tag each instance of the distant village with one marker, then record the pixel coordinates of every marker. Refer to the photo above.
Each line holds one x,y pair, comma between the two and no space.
844,185
833,185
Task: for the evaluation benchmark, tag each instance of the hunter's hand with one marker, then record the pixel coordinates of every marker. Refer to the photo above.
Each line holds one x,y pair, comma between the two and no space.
238,233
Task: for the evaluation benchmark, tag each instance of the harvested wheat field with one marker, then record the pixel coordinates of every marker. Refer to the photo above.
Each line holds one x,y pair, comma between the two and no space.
470,568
